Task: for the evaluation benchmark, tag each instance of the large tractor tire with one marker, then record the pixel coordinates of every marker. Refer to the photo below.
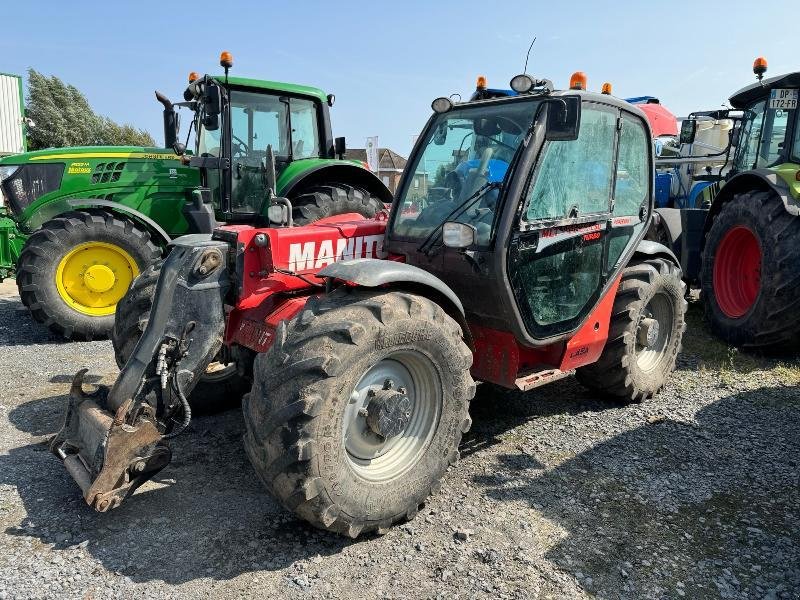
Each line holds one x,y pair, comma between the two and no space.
73,271
358,408
750,277
647,325
329,199
220,387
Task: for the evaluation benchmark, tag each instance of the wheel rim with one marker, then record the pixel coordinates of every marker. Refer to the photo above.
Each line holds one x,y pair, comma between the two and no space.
653,332
372,456
93,277
218,371
737,272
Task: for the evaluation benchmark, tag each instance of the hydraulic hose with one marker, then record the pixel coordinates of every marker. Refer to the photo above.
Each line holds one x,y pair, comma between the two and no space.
187,409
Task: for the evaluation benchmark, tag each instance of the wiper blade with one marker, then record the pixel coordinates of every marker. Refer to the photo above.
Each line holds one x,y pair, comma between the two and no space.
477,195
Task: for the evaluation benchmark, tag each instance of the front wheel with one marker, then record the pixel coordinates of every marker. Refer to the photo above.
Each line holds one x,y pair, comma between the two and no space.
358,408
75,269
647,324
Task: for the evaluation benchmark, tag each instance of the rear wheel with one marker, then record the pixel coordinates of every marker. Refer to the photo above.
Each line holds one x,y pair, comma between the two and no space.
647,324
358,408
219,387
750,276
75,269
329,199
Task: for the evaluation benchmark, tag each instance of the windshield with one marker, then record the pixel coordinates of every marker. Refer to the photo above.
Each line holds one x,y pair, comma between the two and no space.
260,119
763,137
465,149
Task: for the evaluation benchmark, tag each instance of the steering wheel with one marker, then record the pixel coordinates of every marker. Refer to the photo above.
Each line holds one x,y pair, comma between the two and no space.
241,147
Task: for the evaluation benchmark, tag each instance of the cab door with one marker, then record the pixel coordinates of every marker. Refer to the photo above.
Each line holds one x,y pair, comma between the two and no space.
586,201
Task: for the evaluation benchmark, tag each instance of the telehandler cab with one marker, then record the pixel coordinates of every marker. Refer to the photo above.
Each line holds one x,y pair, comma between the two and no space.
513,254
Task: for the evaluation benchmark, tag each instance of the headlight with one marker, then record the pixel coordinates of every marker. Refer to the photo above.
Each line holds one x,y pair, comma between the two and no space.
6,171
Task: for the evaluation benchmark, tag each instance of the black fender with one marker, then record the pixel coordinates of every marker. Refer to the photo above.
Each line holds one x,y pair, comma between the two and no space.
650,249
143,219
763,180
373,273
339,172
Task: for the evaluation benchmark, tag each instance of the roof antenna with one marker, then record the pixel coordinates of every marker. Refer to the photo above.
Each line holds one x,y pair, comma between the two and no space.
527,56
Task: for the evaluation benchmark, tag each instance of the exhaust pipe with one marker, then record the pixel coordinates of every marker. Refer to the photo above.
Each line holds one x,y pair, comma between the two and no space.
113,440
170,120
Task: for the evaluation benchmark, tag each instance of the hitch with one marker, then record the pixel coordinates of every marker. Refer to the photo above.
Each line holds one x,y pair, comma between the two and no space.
114,439
108,454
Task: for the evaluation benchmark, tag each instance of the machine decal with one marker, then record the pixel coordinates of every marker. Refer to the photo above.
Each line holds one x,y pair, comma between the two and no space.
549,237
79,168
306,256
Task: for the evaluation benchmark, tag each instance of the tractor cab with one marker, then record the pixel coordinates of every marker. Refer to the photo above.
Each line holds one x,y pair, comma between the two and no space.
770,131
258,142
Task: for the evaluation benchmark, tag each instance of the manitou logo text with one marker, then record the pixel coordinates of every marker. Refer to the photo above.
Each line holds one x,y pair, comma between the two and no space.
307,256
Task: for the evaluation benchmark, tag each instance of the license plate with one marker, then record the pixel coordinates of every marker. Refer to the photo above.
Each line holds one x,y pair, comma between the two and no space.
784,99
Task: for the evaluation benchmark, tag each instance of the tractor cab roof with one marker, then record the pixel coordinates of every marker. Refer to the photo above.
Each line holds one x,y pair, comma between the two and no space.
274,86
747,95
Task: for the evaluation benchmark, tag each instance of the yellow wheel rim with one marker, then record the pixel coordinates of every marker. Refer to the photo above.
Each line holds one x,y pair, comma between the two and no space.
93,277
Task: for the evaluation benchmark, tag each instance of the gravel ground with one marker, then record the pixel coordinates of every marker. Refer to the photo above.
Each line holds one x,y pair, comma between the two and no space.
694,494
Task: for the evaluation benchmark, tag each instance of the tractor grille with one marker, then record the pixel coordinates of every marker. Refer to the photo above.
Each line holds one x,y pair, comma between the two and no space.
107,172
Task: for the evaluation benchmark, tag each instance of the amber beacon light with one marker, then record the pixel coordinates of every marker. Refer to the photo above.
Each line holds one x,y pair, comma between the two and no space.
760,67
578,81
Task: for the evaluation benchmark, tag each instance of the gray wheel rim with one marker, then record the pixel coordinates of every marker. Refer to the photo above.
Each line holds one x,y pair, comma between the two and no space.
659,308
368,454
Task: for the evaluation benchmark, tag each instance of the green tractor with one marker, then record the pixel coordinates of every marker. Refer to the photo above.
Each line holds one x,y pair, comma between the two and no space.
742,245
79,224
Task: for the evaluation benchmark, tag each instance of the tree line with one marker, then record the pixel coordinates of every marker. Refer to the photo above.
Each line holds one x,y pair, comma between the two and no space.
62,117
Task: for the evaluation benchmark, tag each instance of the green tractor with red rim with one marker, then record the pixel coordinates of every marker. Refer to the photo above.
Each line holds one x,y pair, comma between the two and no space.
77,225
741,248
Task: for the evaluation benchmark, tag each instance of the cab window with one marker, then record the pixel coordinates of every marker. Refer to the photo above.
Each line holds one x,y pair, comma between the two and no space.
631,188
633,173
751,132
574,177
772,149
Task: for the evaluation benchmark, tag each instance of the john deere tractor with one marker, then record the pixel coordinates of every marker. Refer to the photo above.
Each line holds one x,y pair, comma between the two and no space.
79,224
739,243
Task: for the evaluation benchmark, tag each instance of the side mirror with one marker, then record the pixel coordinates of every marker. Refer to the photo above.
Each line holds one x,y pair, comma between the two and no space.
212,99
563,118
458,235
688,131
736,134
212,106
340,147
179,149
